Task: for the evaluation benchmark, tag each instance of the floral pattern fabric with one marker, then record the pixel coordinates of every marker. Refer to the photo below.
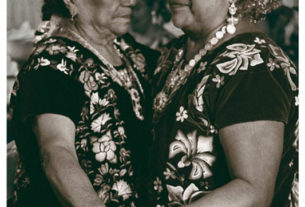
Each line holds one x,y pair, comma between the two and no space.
105,138
221,90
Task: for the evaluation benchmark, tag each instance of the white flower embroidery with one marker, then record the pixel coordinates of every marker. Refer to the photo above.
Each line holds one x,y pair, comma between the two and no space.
104,148
202,66
272,64
121,132
183,196
219,80
95,100
97,124
285,64
123,189
62,66
101,77
242,55
103,193
71,54
198,99
181,114
259,41
56,49
169,174
42,62
158,185
197,152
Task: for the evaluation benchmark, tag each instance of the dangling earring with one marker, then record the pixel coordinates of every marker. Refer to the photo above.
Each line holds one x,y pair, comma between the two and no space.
232,20
154,19
73,17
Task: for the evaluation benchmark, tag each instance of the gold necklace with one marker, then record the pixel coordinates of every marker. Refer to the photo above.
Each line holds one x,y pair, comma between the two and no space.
118,77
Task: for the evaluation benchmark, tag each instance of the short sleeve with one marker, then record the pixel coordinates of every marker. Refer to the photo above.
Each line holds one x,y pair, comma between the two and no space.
252,96
47,90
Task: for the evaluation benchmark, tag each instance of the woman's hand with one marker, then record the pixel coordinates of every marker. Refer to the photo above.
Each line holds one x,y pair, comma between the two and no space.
253,151
55,134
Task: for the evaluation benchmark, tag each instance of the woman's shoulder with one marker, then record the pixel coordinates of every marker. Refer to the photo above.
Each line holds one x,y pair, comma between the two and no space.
251,52
58,53
248,59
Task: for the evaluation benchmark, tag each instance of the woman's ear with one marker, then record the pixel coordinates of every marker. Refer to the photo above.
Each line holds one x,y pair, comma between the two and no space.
70,4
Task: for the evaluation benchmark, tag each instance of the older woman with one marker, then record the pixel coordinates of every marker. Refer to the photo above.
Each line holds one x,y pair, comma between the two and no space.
80,109
225,111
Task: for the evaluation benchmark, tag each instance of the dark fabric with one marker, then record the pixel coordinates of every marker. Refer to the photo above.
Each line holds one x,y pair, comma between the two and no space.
247,78
49,91
112,121
250,97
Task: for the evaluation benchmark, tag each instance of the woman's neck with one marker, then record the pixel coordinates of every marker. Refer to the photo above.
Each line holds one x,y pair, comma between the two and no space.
102,40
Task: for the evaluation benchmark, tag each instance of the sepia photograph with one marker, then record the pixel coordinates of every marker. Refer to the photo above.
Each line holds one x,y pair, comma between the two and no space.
152,103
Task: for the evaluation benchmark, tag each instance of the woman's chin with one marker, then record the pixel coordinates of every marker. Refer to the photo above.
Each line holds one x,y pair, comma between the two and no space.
120,29
180,21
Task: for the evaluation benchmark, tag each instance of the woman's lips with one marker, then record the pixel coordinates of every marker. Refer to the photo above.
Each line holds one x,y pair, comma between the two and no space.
175,5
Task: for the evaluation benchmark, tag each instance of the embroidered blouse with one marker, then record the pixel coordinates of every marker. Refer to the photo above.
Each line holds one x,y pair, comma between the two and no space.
247,78
112,120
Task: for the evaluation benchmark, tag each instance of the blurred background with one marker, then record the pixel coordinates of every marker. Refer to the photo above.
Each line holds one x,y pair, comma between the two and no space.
150,25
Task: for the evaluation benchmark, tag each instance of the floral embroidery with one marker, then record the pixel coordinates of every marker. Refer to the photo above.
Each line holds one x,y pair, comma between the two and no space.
219,80
272,64
158,185
169,174
101,77
242,55
42,62
188,171
183,196
259,41
202,66
55,49
139,60
97,103
123,189
285,64
71,54
124,155
197,153
198,100
100,131
89,82
62,66
181,114
137,108
98,180
104,148
103,193
98,123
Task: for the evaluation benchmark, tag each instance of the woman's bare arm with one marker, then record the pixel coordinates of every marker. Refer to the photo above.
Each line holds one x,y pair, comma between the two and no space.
56,134
253,151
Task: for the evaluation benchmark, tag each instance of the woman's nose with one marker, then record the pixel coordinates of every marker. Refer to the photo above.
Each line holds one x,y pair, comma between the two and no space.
129,3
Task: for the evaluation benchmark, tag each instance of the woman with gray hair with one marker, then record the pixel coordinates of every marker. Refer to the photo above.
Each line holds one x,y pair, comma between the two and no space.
81,109
225,110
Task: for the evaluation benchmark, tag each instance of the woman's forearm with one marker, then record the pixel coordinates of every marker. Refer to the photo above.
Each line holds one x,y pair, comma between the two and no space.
69,182
237,193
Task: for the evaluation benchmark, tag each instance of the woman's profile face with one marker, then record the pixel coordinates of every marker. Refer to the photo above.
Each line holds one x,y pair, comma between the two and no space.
113,15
